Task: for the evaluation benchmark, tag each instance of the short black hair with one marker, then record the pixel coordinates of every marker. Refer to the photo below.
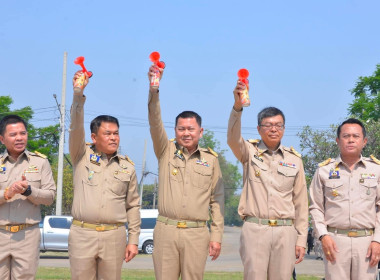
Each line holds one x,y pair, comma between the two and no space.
351,121
269,112
187,115
11,119
97,122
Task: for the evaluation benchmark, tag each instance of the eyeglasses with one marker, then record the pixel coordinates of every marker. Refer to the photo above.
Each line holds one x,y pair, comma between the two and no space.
268,126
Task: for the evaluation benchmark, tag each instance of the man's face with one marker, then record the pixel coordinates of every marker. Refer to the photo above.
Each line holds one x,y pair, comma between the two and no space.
107,138
188,133
351,140
271,130
15,138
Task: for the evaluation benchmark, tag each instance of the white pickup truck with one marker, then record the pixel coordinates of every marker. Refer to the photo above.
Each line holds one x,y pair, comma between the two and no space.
55,232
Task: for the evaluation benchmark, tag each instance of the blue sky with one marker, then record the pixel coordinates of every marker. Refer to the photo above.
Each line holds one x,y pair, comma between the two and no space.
303,57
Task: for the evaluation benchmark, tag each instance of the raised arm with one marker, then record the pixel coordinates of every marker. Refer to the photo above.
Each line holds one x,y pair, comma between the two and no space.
157,130
77,143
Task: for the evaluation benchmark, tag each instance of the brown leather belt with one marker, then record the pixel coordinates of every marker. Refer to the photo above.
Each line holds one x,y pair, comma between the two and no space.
97,227
16,228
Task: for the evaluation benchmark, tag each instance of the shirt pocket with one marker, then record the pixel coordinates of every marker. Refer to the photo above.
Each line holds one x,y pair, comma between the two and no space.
3,180
202,176
334,190
92,175
368,189
34,179
288,175
120,183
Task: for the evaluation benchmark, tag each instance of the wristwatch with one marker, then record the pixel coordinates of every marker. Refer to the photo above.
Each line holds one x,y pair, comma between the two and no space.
320,238
28,191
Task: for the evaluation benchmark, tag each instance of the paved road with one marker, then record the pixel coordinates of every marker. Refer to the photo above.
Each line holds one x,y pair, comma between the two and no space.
229,259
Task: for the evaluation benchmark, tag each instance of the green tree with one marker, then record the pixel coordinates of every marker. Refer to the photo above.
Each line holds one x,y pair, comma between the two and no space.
148,196
231,177
366,105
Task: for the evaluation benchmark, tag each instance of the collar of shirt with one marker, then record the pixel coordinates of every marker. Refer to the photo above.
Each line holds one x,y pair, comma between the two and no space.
339,161
6,157
262,148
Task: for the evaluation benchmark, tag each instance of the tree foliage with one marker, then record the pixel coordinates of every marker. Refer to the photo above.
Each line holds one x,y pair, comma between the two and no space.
366,105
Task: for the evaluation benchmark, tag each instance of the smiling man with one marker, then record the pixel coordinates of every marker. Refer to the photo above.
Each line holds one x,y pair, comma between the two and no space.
26,182
273,203
105,198
190,188
345,201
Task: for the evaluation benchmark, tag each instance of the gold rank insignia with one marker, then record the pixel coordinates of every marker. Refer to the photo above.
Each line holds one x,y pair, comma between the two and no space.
95,158
257,173
295,152
175,171
253,141
323,163
335,193
40,154
212,152
375,159
127,158
121,171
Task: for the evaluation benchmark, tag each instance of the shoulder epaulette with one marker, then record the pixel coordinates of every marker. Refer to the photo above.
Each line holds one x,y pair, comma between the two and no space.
89,144
212,152
40,154
295,152
253,141
323,163
375,159
128,159
172,140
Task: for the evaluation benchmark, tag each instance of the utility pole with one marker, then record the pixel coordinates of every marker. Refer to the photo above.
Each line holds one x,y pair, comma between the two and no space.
61,139
154,193
142,175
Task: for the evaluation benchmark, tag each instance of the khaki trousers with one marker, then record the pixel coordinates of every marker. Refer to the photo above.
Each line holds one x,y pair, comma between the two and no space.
96,255
351,262
19,253
267,252
180,251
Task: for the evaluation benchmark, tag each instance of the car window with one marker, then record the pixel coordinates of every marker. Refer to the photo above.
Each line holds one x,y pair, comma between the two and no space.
60,223
148,223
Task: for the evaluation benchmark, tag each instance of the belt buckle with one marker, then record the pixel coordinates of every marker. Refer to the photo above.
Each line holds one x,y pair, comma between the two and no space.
14,228
181,224
100,228
272,223
352,233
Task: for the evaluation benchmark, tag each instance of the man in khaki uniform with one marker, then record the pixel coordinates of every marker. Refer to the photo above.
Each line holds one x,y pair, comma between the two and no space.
26,181
273,202
190,187
105,198
345,200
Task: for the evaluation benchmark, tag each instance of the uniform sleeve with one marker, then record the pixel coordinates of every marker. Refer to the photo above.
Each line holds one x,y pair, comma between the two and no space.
300,202
234,139
376,236
77,143
157,130
132,205
317,209
46,193
217,205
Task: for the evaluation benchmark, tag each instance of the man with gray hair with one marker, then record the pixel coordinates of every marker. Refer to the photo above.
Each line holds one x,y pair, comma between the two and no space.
273,203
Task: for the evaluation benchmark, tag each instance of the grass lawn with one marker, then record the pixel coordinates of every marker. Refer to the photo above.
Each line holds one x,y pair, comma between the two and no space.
64,273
